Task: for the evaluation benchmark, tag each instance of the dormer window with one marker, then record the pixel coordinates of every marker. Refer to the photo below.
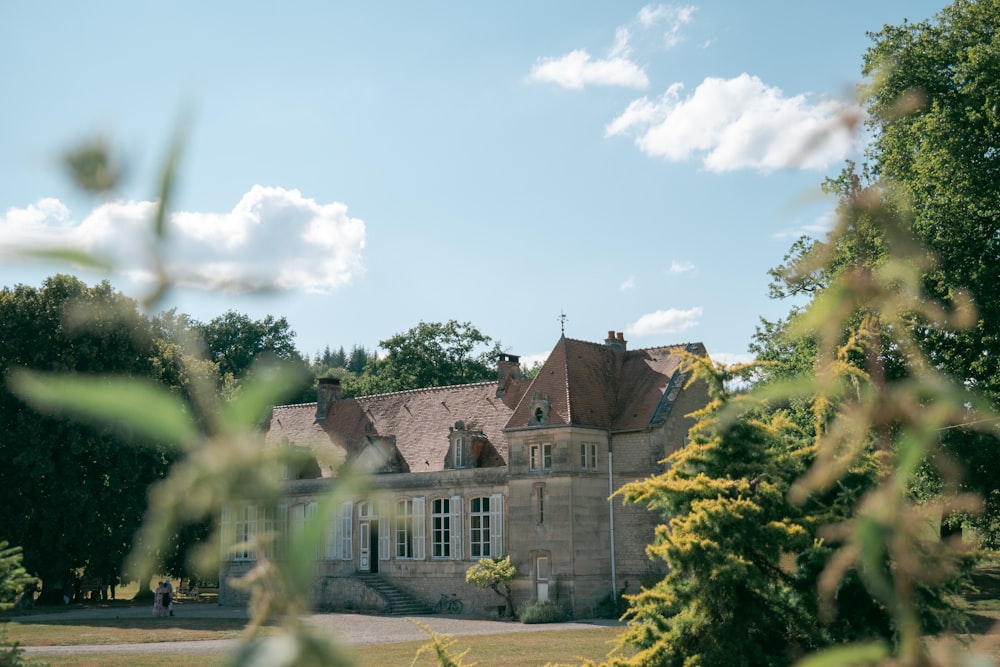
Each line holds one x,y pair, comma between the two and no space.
539,410
459,455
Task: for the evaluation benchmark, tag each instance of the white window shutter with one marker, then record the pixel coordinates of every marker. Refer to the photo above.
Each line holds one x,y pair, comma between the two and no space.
344,533
496,525
419,529
456,527
384,531
281,528
312,509
228,536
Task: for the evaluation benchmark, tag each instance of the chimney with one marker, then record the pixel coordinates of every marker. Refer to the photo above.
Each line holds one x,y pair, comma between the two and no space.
616,340
327,392
509,368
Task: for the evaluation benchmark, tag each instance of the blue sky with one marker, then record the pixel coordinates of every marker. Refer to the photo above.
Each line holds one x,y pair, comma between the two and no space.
638,167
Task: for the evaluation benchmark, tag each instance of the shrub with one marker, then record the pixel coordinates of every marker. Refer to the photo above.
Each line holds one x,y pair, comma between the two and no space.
542,611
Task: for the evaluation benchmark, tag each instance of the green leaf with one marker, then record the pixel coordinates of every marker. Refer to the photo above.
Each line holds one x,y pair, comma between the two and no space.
142,405
66,255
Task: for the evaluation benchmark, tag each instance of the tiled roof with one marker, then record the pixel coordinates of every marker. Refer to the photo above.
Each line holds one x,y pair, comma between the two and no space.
594,384
588,384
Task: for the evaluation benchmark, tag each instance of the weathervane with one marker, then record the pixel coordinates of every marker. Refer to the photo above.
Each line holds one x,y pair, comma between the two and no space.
562,321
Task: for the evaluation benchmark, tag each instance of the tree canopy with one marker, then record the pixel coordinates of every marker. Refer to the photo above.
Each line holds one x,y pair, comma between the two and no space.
431,354
74,493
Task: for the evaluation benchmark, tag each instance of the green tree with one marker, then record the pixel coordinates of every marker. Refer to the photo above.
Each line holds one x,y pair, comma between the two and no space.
494,573
431,355
235,342
934,162
935,114
73,493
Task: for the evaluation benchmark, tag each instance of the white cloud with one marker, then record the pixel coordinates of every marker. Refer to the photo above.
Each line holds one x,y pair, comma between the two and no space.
680,267
627,284
675,16
273,238
740,123
732,358
671,320
817,229
576,70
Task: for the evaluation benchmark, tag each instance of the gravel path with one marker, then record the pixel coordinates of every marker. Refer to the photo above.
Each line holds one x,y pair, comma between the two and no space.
350,629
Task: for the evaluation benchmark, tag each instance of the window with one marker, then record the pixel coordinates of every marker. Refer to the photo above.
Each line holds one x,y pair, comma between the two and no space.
486,526
441,528
459,450
404,529
246,531
540,495
479,528
540,457
588,455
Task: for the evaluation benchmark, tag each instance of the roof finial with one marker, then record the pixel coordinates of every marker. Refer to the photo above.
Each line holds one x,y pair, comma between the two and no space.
562,321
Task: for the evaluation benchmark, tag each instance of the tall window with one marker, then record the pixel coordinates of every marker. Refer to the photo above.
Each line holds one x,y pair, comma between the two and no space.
404,529
441,528
246,530
459,452
540,457
588,455
479,528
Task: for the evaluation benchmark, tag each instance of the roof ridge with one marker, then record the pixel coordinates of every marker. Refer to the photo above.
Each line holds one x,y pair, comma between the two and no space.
292,405
425,389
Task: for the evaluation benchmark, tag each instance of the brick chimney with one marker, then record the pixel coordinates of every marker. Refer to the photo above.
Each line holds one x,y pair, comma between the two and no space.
328,391
616,340
508,368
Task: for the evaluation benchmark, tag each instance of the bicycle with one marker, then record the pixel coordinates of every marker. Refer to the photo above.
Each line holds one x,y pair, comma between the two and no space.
448,603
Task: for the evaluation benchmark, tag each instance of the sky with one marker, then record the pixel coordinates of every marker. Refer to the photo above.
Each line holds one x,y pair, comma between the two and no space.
528,167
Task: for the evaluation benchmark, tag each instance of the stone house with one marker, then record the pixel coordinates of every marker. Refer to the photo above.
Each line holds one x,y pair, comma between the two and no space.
520,467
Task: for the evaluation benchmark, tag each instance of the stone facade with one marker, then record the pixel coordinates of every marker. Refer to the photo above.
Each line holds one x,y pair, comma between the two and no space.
520,467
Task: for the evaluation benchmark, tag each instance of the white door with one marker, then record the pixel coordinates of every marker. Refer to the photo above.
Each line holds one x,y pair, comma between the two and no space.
364,546
542,578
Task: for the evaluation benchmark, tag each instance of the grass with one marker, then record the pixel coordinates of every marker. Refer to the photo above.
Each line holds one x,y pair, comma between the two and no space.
525,650
522,649
95,632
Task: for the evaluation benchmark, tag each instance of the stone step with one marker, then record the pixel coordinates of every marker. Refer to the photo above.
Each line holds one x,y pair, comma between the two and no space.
399,603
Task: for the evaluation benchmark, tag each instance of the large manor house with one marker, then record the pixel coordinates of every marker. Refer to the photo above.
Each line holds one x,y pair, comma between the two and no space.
525,467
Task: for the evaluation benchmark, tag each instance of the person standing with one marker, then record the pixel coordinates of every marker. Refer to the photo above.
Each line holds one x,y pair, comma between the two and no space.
158,608
168,596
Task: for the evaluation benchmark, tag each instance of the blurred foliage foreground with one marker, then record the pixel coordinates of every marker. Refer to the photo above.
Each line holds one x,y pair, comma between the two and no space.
802,521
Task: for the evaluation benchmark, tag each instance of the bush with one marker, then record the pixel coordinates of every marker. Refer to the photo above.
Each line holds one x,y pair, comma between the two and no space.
543,611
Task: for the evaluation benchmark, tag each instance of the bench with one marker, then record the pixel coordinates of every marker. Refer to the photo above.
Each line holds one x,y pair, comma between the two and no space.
204,592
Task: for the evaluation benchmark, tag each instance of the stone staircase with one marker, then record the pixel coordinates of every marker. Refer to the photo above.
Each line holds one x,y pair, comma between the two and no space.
398,603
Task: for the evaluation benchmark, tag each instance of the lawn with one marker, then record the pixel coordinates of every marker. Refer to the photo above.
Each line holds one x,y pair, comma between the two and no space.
523,649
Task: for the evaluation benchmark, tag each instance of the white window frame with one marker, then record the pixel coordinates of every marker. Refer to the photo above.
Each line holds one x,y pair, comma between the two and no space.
540,457
458,455
480,524
588,455
245,533
441,529
403,533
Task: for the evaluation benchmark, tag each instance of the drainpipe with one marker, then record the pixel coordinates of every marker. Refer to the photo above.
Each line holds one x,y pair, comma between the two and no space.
611,511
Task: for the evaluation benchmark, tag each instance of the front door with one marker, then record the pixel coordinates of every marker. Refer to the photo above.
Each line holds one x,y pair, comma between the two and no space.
364,544
368,546
542,578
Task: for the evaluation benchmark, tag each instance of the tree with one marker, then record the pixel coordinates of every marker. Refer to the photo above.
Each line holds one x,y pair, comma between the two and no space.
936,119
235,342
73,493
494,573
935,165
431,355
